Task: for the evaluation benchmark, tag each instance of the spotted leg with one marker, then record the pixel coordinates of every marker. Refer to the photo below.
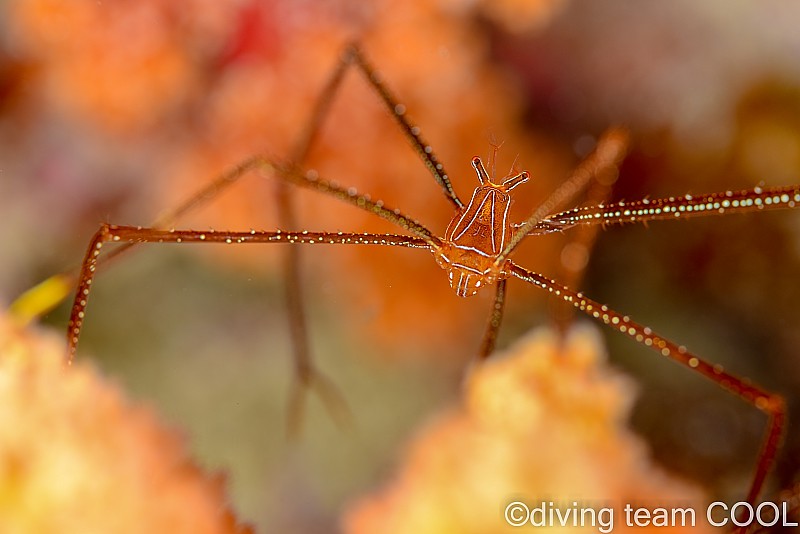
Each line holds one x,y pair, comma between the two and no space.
602,164
495,319
135,235
771,404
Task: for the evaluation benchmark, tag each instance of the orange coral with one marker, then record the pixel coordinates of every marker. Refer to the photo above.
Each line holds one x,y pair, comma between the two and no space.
120,66
228,80
544,422
76,457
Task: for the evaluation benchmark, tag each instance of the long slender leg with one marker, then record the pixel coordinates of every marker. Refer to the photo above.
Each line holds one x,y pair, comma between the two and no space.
351,56
495,319
674,208
304,369
398,111
607,155
47,295
44,297
291,175
129,235
602,164
771,404
109,233
305,373
310,180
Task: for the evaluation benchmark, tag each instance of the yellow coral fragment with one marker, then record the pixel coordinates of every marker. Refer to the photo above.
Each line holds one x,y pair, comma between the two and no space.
41,298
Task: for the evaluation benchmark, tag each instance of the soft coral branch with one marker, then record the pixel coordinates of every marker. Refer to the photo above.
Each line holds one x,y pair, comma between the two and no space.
544,422
76,456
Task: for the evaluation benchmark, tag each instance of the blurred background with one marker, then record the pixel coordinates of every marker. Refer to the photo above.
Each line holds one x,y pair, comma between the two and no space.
116,111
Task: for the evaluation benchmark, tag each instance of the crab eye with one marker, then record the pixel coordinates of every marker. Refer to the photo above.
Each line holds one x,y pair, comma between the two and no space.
483,176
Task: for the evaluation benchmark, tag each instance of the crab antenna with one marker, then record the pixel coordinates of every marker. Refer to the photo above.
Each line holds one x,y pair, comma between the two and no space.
514,181
493,153
513,166
477,164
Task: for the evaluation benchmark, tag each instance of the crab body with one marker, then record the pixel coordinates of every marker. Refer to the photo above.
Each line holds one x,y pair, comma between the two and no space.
477,235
